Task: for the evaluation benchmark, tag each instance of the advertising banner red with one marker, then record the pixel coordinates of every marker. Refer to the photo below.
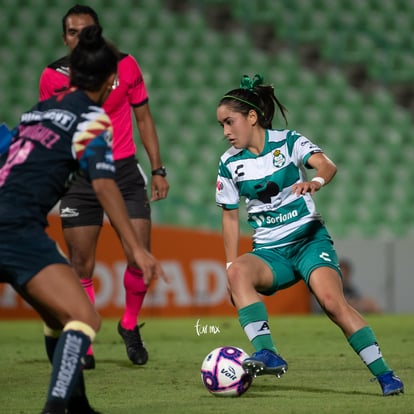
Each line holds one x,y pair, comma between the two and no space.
193,261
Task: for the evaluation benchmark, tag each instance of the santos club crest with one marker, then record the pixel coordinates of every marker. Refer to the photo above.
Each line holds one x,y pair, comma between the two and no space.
278,159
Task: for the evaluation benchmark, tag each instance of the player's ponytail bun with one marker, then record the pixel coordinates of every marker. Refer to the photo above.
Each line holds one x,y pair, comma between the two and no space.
253,94
90,38
92,60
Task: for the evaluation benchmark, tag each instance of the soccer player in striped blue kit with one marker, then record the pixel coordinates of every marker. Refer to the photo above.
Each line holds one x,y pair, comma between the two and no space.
267,167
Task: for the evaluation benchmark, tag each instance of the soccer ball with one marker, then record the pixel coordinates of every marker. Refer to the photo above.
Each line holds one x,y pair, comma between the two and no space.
222,373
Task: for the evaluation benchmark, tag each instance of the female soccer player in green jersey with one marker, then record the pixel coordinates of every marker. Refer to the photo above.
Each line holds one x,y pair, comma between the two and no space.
290,242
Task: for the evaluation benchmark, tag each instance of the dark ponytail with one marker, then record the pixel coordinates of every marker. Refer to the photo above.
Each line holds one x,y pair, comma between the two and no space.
92,60
252,94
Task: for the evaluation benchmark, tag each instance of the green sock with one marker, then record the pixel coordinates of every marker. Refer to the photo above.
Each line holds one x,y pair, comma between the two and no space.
254,320
364,343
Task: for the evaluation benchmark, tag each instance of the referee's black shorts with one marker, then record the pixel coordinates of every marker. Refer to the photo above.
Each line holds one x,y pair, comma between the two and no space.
80,207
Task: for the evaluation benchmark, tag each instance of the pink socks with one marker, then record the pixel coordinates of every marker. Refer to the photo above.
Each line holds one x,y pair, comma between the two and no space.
135,290
90,291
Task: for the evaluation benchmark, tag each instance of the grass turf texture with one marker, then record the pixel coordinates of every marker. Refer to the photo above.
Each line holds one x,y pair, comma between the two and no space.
325,376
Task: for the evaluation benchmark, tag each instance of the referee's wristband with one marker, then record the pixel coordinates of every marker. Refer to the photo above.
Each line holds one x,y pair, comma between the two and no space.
319,180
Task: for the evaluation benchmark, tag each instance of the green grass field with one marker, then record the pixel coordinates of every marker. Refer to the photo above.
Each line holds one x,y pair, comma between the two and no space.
325,376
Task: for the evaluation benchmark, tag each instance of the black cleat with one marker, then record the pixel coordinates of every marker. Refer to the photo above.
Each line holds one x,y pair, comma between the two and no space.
54,407
88,362
134,346
80,405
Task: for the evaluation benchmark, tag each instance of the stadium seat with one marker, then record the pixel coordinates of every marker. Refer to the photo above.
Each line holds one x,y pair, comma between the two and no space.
188,67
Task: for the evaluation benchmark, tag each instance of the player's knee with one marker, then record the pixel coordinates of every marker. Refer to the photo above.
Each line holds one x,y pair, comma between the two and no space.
83,266
238,278
233,275
333,307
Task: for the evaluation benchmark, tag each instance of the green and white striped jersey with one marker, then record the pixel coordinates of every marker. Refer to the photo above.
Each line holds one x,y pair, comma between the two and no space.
277,216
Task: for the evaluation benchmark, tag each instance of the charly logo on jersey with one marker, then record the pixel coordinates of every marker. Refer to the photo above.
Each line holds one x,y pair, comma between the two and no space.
325,256
239,170
278,159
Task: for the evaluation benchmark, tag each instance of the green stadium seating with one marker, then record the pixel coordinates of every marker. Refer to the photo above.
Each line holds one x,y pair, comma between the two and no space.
188,66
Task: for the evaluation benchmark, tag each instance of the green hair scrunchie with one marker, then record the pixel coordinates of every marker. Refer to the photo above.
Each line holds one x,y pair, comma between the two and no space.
250,83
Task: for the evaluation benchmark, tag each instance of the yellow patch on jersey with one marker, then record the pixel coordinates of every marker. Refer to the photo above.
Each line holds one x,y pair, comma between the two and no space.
95,126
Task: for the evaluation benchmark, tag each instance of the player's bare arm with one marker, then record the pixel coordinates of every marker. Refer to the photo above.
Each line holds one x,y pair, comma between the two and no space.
111,199
231,233
325,170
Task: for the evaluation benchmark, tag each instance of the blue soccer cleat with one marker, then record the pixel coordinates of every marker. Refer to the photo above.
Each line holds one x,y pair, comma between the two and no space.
265,362
390,384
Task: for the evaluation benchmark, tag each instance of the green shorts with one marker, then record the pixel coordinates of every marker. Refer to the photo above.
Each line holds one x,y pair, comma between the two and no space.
297,261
